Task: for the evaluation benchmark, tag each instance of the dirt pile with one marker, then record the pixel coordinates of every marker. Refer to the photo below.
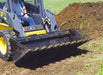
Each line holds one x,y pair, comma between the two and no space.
83,17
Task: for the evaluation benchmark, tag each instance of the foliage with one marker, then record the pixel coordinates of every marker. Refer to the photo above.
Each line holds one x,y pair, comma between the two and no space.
3,0
100,72
79,73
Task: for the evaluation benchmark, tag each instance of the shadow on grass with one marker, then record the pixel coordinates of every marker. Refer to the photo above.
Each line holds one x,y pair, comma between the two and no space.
41,58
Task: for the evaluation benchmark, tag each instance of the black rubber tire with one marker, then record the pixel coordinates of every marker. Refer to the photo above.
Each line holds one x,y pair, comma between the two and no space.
6,34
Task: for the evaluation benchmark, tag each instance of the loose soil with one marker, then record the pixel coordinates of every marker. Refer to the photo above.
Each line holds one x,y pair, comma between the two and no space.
84,17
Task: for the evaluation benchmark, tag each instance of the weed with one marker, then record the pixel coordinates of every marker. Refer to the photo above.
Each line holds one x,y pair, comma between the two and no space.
100,72
101,46
79,73
81,25
88,65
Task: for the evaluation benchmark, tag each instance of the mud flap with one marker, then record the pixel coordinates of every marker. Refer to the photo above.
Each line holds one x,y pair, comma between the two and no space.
22,46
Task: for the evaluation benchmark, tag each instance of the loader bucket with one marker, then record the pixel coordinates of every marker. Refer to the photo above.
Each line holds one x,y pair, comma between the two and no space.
22,46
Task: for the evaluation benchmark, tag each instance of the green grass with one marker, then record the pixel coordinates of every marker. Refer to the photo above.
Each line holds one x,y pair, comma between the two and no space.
95,45
3,0
95,67
100,72
55,5
79,73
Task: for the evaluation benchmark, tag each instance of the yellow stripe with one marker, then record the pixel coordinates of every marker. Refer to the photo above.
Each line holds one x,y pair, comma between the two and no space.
56,45
35,32
5,26
36,49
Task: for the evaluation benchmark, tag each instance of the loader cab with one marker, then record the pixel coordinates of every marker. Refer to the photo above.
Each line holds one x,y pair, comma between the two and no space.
12,20
44,19
3,14
33,11
2,3
32,7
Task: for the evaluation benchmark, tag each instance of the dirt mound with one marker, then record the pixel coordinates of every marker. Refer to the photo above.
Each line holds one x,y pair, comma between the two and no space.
83,17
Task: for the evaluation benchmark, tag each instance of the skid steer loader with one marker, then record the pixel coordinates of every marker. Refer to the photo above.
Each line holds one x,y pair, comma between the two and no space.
17,38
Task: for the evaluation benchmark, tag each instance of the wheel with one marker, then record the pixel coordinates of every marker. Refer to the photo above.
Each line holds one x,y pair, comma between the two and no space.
5,48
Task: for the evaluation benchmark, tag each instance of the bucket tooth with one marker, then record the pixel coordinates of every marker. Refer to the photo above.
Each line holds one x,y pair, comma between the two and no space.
67,43
78,41
43,48
56,45
62,44
50,46
36,49
73,42
84,40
